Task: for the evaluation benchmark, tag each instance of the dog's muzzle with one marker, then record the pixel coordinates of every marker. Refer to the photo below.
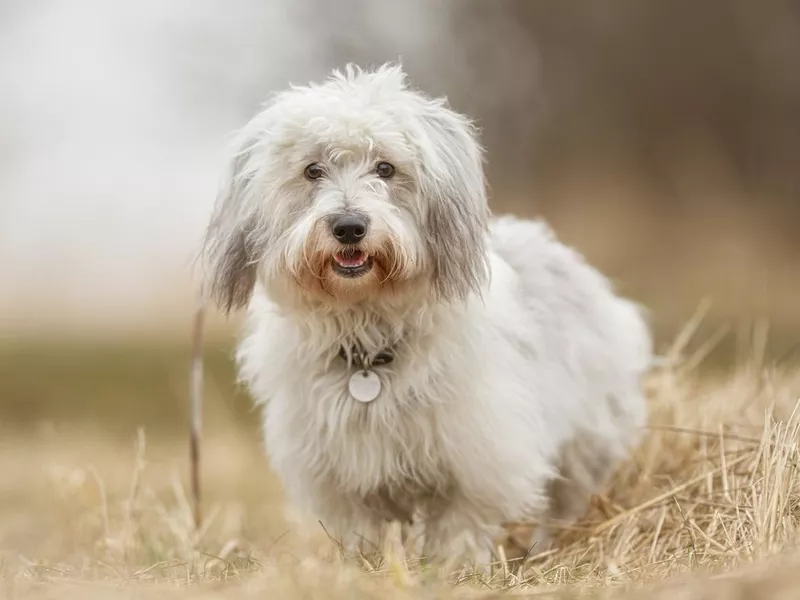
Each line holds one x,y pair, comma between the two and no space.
350,230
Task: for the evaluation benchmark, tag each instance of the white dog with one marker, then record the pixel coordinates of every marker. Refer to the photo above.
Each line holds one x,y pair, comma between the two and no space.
415,359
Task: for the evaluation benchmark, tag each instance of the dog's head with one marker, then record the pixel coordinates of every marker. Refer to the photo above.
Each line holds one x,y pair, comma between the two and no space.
349,191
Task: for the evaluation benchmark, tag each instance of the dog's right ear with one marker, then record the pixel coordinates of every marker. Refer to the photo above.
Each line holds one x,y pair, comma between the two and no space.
233,244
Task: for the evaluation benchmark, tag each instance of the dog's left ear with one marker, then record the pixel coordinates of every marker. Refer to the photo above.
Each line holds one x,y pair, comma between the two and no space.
454,191
234,239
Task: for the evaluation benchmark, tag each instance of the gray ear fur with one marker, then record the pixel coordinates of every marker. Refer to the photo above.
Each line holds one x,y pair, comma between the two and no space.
454,190
233,245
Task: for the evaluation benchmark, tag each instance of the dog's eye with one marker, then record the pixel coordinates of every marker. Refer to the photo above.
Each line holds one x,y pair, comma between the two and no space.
314,171
385,170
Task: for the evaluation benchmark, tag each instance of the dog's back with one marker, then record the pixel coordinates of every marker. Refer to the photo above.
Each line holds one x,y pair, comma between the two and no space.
607,342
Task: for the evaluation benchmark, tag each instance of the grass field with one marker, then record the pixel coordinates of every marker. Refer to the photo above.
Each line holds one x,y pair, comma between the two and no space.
93,494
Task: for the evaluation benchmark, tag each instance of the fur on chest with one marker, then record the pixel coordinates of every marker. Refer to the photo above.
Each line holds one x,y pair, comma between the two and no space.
312,423
372,449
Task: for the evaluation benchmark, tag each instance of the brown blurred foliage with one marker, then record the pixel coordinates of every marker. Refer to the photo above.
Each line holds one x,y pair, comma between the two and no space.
650,83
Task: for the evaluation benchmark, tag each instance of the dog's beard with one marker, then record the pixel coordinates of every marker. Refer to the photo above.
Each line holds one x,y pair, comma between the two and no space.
378,266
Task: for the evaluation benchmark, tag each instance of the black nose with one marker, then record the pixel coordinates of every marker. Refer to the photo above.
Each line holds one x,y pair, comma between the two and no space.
349,229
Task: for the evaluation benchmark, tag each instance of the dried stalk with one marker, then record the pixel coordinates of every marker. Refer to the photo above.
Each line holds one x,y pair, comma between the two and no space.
196,409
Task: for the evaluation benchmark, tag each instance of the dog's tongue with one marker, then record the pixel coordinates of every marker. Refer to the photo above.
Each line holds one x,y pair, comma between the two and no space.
353,258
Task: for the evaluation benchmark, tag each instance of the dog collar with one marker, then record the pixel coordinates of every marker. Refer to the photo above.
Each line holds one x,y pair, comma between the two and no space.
362,361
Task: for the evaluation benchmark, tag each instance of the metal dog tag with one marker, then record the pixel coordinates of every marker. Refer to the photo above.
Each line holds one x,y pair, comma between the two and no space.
364,386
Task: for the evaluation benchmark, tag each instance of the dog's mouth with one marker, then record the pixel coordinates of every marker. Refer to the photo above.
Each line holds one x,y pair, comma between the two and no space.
351,262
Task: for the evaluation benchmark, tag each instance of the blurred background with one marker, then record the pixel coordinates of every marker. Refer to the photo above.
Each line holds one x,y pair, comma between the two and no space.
660,138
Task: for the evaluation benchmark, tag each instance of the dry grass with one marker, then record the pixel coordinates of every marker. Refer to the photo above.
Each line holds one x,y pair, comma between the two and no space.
714,488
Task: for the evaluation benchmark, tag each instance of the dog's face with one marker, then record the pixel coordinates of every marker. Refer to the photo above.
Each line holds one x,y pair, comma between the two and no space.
349,192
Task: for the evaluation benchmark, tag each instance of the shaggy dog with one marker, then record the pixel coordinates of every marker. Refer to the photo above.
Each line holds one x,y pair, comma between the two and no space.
415,358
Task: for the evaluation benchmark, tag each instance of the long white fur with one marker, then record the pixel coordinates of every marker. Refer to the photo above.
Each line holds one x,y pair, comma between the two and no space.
516,365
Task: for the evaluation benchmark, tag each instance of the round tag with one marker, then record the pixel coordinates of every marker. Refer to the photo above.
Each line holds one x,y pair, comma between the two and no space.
364,386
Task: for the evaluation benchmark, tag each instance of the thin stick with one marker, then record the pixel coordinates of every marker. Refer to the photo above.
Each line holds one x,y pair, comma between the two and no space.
196,409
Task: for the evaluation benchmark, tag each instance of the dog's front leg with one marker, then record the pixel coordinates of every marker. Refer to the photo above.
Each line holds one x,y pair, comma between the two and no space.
456,533
357,529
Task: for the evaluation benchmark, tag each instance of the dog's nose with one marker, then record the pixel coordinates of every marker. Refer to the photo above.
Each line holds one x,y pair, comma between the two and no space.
349,229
